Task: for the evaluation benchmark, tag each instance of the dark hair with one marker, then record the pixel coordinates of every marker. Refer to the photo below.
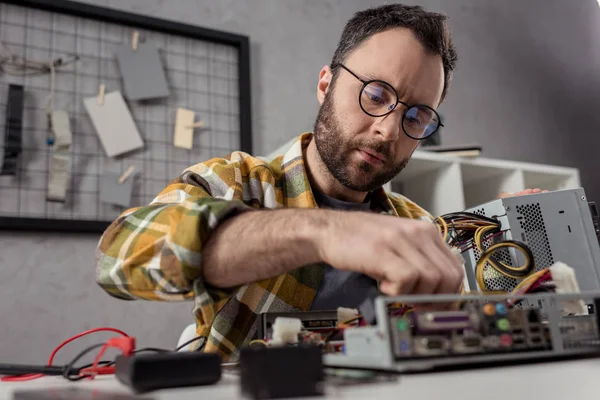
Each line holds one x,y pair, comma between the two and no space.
429,28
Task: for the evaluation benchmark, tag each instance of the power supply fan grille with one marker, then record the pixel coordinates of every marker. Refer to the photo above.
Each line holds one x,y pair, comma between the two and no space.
535,233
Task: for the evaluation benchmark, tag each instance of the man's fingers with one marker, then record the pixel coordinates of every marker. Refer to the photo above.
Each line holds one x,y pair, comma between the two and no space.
448,263
430,277
450,269
395,274
414,260
438,269
390,288
401,276
503,195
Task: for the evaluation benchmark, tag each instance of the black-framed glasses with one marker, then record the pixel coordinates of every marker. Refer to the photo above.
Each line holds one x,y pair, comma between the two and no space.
378,98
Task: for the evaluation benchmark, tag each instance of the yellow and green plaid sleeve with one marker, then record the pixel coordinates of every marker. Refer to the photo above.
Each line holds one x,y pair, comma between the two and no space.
407,208
155,252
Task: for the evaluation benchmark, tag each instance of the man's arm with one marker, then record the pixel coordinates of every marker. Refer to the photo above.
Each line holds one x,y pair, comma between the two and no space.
154,252
262,244
188,243
406,256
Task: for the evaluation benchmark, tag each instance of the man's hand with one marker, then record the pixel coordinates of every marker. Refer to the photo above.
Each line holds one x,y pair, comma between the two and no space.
521,193
406,256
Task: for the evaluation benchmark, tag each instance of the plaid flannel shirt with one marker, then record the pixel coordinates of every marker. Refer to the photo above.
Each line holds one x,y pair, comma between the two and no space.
154,252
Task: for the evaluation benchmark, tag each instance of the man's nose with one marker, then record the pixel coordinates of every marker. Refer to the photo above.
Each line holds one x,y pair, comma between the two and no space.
390,126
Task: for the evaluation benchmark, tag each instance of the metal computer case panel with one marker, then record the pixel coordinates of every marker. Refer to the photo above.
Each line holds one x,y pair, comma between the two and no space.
557,343
557,226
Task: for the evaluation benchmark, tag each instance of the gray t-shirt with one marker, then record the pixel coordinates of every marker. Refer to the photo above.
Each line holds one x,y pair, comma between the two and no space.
341,288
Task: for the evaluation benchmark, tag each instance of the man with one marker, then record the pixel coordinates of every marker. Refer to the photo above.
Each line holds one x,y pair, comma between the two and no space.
208,236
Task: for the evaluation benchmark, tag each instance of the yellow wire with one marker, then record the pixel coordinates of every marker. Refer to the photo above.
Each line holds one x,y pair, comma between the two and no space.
257,341
442,227
486,258
351,320
530,279
479,233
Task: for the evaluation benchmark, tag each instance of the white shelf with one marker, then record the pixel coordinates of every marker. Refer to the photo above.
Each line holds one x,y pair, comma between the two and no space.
551,180
482,183
433,184
453,183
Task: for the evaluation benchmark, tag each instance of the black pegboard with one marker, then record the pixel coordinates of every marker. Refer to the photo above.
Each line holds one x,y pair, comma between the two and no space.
207,71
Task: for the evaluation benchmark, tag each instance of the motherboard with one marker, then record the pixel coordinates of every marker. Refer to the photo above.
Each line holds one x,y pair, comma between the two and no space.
439,331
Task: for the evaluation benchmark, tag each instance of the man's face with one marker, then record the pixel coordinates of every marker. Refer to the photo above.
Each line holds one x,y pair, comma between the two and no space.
364,152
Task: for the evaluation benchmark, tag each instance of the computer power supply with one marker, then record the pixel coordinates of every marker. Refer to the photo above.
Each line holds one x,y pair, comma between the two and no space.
556,226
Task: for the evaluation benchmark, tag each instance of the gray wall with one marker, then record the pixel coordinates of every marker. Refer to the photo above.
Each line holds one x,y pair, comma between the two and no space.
527,88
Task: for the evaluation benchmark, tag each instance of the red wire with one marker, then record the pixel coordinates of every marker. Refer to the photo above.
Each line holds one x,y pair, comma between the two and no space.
94,369
29,377
21,378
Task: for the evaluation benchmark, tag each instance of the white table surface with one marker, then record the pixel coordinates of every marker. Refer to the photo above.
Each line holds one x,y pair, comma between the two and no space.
573,380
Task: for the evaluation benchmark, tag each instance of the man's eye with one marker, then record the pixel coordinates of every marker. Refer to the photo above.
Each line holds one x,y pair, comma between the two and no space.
375,98
412,120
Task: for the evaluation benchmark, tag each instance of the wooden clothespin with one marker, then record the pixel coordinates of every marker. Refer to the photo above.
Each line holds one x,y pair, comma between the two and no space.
126,174
184,128
101,94
135,38
197,124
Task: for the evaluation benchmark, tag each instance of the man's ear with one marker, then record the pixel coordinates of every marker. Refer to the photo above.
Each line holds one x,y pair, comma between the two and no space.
324,81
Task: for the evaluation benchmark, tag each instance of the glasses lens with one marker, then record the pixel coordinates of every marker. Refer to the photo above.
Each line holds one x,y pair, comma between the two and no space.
420,122
378,98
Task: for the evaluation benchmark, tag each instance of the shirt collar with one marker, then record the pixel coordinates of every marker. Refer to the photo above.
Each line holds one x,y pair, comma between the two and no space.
293,167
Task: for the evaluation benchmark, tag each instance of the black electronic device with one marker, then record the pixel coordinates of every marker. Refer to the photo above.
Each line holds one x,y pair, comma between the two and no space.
276,372
13,130
146,372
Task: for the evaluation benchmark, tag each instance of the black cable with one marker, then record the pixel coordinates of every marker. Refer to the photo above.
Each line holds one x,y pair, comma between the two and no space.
103,363
192,341
21,369
73,374
469,215
106,363
152,349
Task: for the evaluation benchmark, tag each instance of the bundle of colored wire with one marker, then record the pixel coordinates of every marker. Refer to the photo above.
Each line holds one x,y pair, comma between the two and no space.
28,377
458,229
124,342
468,230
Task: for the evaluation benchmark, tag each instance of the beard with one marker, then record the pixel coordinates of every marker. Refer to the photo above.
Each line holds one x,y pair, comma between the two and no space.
336,152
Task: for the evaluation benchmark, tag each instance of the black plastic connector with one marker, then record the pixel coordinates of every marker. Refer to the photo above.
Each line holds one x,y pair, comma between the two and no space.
276,372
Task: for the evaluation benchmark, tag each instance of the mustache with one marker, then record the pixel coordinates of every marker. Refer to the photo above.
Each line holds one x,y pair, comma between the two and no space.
380,147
